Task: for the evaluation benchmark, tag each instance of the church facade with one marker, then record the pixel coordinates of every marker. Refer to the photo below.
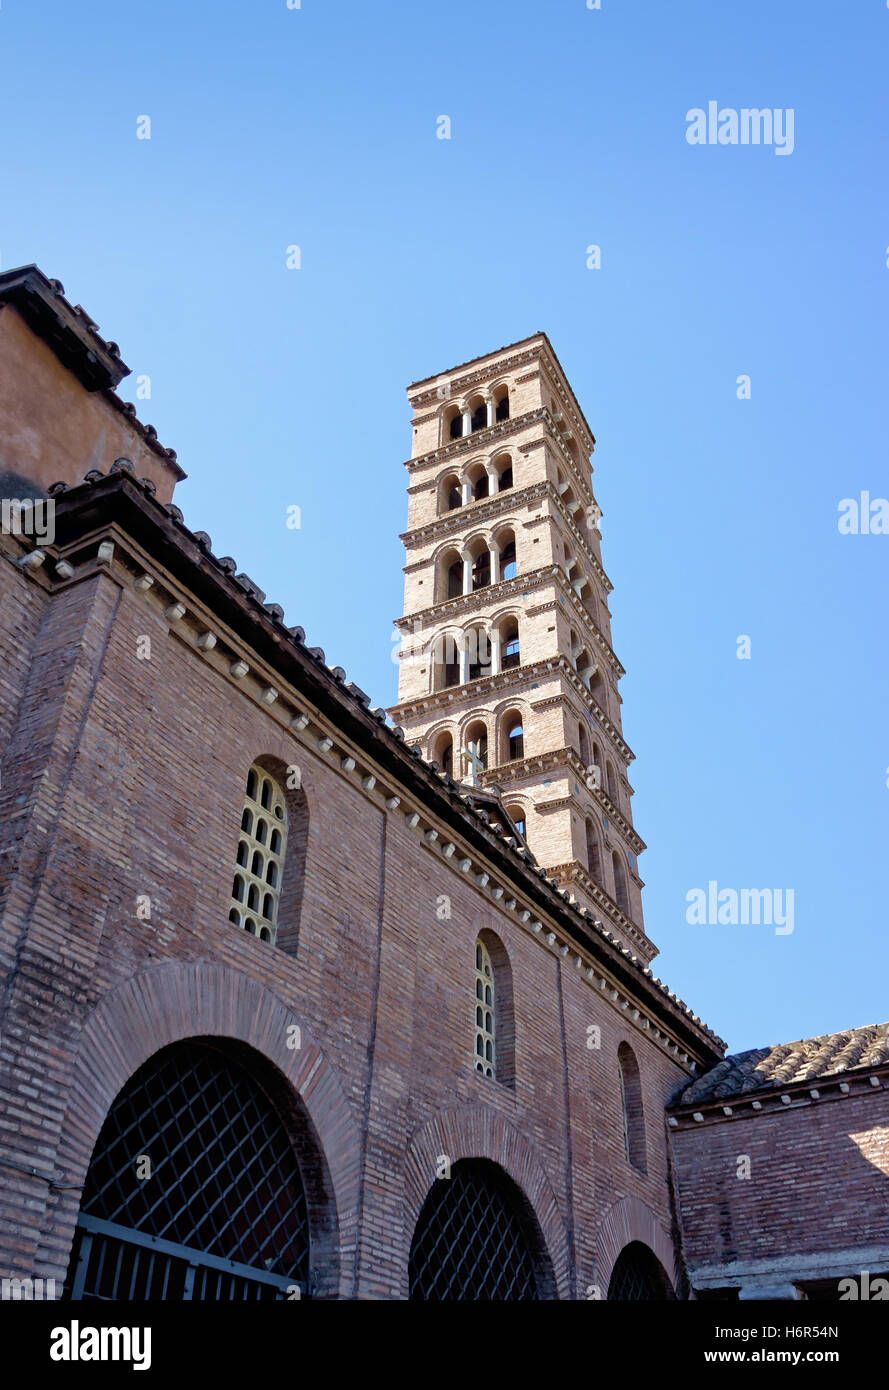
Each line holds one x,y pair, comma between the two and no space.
301,1003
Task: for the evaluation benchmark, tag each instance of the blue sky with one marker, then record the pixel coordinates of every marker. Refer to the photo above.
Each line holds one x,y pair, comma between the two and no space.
316,127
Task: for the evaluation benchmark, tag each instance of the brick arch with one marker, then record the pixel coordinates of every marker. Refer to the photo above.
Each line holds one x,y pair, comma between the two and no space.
476,1131
506,523
446,725
628,1220
173,1002
507,610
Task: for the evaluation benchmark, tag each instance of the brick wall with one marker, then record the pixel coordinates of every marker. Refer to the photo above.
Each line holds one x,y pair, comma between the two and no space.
819,1183
124,777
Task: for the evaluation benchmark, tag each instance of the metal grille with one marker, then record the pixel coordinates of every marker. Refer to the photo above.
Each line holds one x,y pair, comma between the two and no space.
193,1191
470,1241
638,1275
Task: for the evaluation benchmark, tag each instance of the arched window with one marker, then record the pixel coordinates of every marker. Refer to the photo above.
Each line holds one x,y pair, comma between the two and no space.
479,653
450,576
484,1055
631,1101
493,1050
620,884
503,465
501,409
583,745
260,858
481,565
507,556
444,754
515,738
510,652
446,662
477,1240
612,782
584,666
475,746
224,1213
517,816
599,765
596,683
594,863
479,414
479,482
451,494
454,423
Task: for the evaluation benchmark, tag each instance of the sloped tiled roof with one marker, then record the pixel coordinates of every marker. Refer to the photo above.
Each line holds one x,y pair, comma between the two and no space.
764,1068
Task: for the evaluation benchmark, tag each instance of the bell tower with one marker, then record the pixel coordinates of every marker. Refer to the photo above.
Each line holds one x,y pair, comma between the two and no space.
507,678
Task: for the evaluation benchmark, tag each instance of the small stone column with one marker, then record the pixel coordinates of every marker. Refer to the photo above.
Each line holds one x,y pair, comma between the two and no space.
464,661
496,656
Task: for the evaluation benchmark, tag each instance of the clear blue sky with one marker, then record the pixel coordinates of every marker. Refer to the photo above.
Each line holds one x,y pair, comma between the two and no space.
316,127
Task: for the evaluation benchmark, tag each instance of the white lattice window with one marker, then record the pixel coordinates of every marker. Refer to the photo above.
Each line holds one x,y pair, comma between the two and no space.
484,1011
256,889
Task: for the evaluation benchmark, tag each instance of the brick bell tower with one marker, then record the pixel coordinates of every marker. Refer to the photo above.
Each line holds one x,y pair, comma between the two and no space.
507,678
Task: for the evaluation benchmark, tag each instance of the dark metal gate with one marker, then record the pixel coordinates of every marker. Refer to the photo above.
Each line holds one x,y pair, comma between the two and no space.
471,1239
638,1274
193,1191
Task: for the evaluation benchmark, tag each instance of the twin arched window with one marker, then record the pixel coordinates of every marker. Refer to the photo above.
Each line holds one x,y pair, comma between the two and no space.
482,562
476,414
474,653
475,484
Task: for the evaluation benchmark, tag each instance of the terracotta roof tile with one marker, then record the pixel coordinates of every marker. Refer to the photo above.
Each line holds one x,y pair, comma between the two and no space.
765,1068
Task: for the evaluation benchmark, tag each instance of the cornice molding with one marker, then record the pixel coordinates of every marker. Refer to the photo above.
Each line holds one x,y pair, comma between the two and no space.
431,618
503,428
574,872
474,512
460,385
420,707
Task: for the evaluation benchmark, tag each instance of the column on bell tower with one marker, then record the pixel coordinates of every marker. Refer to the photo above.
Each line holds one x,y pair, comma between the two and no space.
506,674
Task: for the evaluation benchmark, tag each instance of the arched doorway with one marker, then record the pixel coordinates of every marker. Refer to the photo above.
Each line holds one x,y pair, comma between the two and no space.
194,1191
639,1274
476,1238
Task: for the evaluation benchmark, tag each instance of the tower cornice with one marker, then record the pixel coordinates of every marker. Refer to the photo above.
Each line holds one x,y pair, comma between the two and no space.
481,511
573,872
503,429
537,349
566,758
505,589
422,706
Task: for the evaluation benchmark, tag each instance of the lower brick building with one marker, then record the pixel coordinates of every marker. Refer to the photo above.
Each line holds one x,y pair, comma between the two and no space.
290,1008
